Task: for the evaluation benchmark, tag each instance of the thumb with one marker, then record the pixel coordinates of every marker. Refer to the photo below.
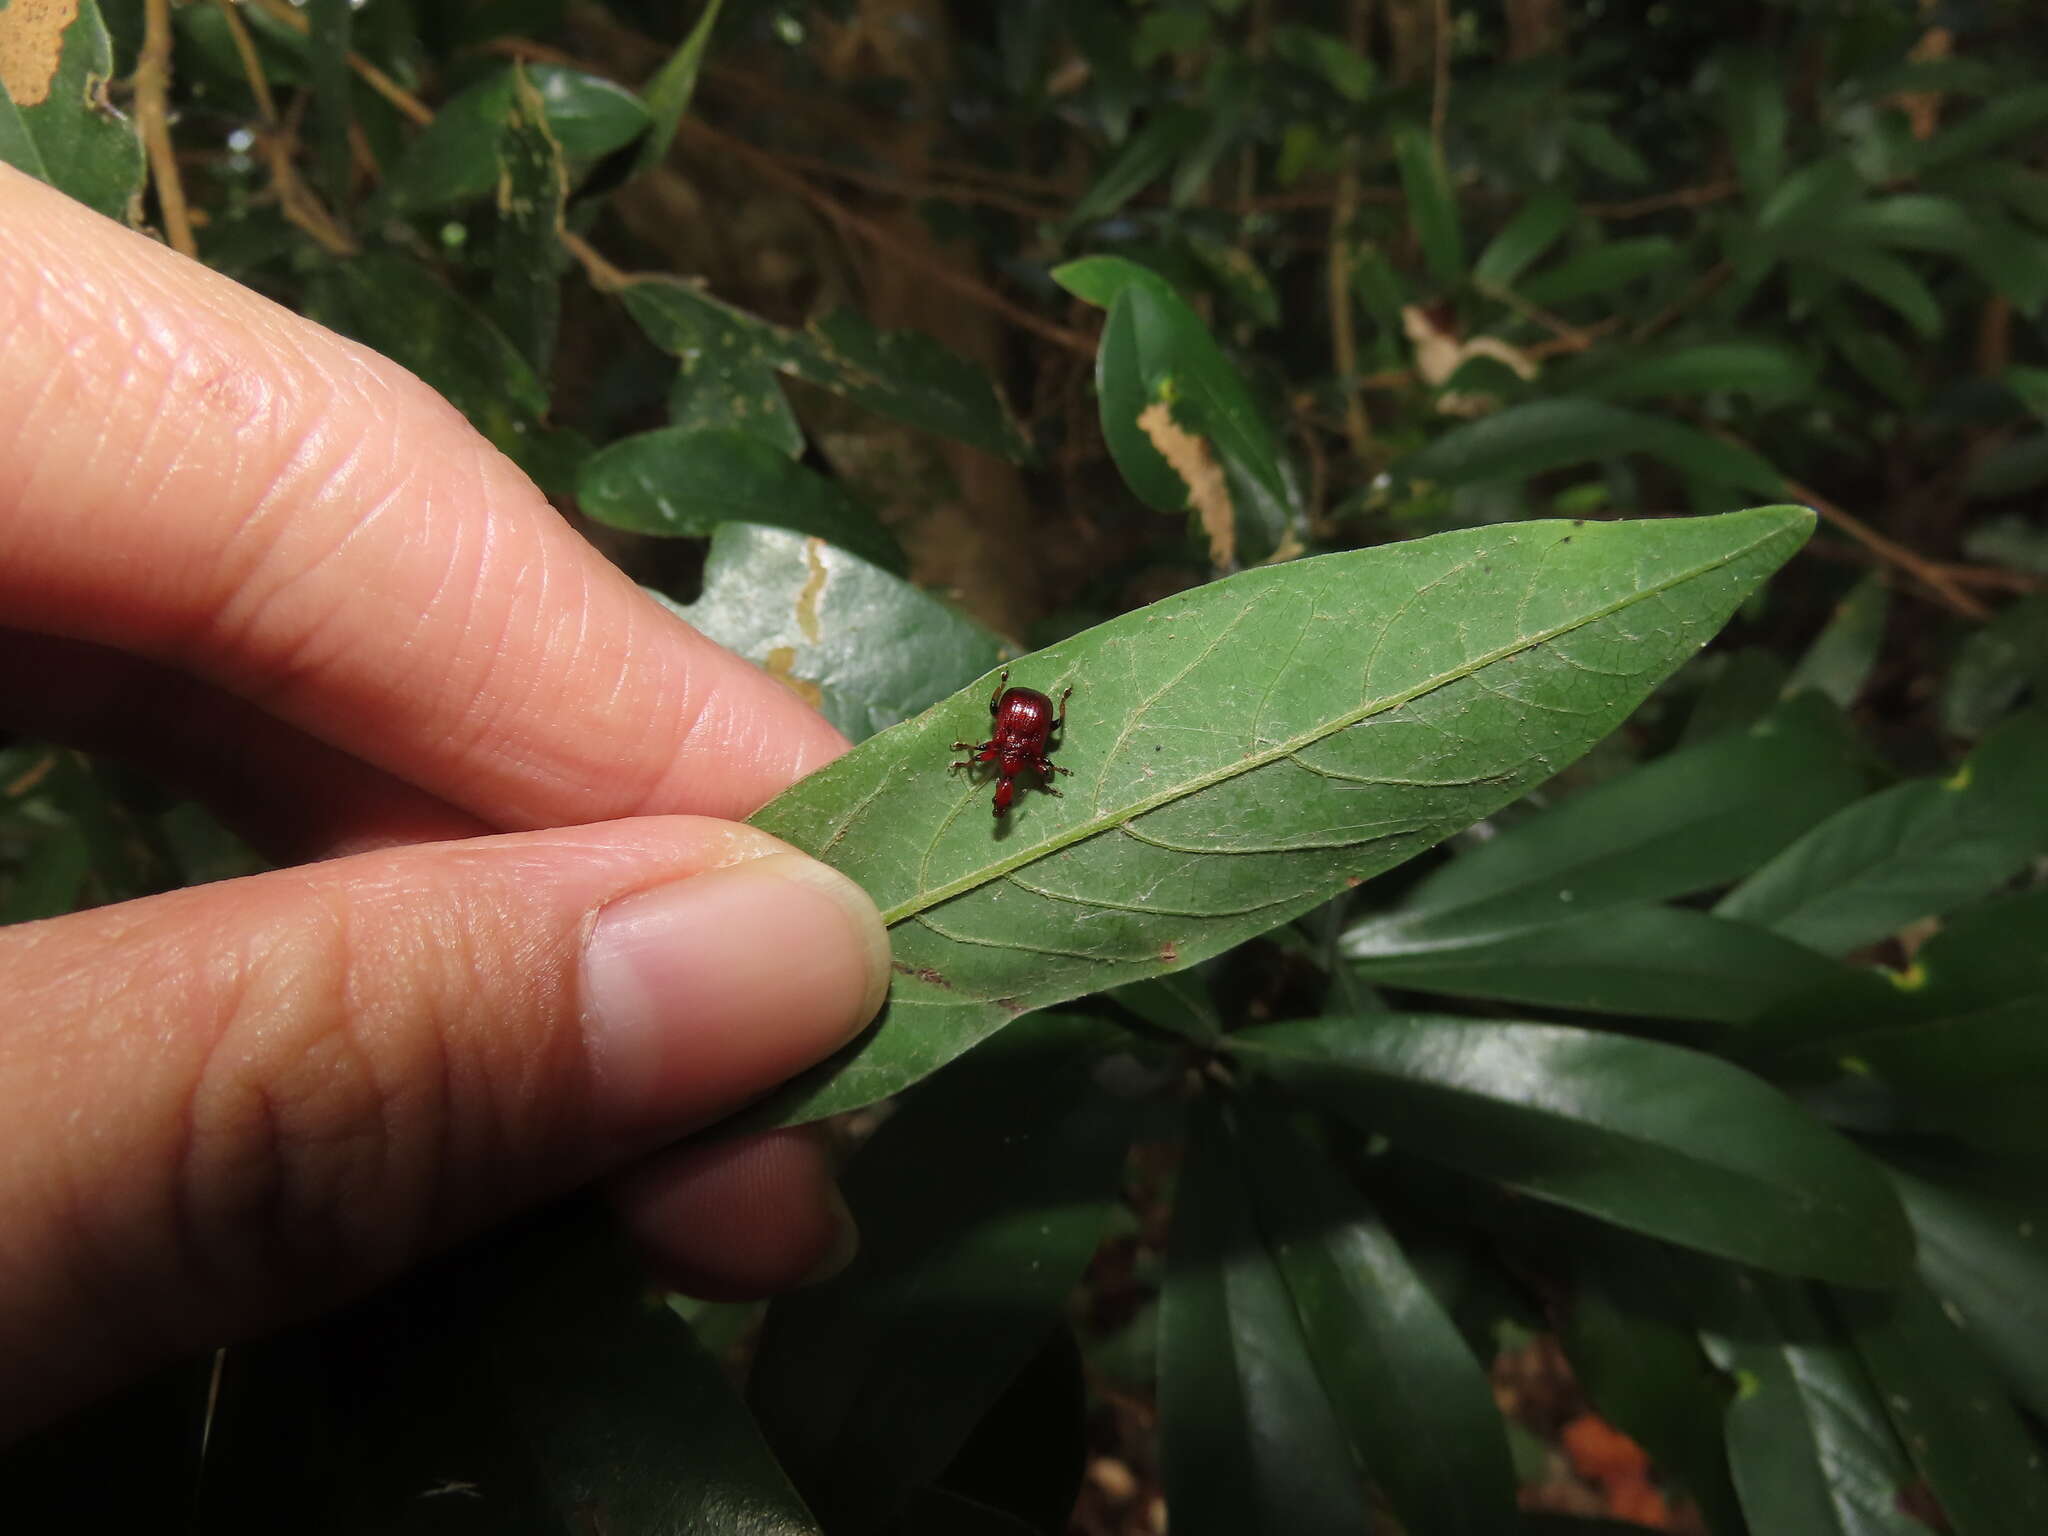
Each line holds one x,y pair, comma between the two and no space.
236,1103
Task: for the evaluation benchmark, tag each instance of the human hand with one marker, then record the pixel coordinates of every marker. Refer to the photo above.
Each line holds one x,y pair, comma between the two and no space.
277,566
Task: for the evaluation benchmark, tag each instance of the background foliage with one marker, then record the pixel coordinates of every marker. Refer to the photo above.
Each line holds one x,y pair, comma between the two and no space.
1710,1066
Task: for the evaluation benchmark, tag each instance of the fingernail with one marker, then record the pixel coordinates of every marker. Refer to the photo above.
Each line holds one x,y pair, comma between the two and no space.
845,1241
704,993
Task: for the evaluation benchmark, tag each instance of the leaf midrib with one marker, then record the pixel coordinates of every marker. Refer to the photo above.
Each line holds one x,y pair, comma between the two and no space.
938,895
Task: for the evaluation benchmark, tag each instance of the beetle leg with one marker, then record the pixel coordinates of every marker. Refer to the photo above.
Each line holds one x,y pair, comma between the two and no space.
1002,682
1061,723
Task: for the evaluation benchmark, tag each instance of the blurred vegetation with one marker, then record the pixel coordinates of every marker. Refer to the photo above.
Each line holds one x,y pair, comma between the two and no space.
1011,318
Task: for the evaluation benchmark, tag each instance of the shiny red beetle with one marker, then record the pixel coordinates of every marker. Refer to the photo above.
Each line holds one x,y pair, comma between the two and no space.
1023,739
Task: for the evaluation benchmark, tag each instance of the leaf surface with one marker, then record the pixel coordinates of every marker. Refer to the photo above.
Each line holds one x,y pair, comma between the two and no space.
1241,753
1662,1140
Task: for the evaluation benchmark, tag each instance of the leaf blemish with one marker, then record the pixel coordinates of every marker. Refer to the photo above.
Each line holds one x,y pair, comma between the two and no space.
32,45
1190,458
813,589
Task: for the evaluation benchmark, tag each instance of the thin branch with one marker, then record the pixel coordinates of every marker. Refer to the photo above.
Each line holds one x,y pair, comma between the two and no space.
294,198
1936,578
375,78
1343,332
1700,290
1684,197
152,115
875,181
885,240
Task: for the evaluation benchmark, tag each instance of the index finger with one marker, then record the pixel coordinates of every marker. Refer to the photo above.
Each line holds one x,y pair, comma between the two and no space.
193,474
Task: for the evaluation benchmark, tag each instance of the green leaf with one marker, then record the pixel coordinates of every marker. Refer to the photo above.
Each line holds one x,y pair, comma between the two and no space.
1543,435
862,646
1412,1399
1145,158
1100,280
1885,278
1248,1442
736,393
1752,101
1995,666
1243,752
868,1384
394,304
2009,262
1765,371
903,375
1693,819
1607,151
1633,1348
1915,850
2000,118
669,93
55,120
1340,66
1536,226
454,160
1839,661
1647,962
1166,388
1808,1441
1986,1254
1652,1137
1179,1003
1600,270
679,483
1744,687
526,262
327,39
1432,209
1951,1413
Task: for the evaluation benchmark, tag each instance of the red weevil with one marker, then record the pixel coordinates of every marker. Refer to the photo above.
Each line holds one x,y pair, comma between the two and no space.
1023,739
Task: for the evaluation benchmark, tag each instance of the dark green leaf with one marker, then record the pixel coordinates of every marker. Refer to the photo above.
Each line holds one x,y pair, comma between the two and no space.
1633,1347
1532,231
1808,1441
1408,1393
1652,1137
1606,151
2000,118
676,482
2008,261
1648,962
1179,1003
1986,1254
1184,429
738,392
1838,662
1744,687
1249,1445
1995,666
1752,99
900,374
526,263
394,304
1951,1413
454,160
1769,373
327,38
57,123
1884,277
868,1384
864,647
1099,280
1695,818
1915,850
1243,752
1432,209
1600,270
1145,158
669,93
1543,435
1343,68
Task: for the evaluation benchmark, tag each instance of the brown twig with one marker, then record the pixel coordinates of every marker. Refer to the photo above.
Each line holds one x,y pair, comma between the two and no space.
1935,577
152,115
375,78
1343,333
294,199
1659,202
1701,289
875,181
884,240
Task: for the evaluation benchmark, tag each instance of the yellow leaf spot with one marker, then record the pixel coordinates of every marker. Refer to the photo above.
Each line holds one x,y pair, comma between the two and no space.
778,661
31,42
1911,979
813,589
1208,493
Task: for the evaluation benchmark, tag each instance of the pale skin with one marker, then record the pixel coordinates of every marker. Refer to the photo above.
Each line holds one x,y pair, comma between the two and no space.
521,943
